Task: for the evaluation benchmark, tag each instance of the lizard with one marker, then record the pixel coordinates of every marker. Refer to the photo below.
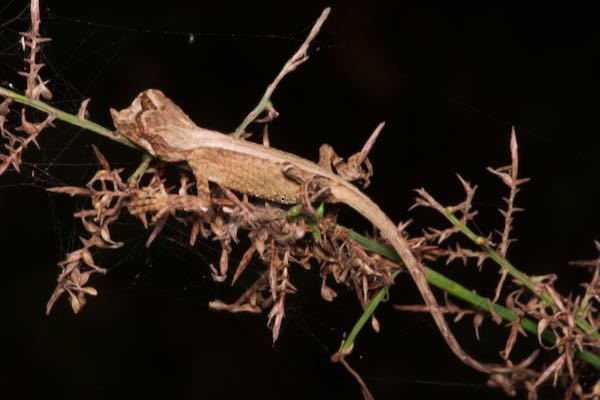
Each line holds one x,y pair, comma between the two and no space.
159,127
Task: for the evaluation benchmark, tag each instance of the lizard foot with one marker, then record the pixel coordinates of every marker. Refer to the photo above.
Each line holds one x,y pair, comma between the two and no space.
357,168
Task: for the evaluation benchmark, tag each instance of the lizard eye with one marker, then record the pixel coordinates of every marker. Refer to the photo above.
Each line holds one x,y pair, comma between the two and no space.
146,102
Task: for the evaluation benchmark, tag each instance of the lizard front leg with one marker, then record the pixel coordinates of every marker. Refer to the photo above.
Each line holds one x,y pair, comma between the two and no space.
202,188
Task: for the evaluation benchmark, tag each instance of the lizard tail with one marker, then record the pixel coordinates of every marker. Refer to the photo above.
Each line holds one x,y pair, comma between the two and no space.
357,200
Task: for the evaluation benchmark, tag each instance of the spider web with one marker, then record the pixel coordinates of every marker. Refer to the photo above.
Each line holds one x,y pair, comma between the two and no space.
84,44
65,159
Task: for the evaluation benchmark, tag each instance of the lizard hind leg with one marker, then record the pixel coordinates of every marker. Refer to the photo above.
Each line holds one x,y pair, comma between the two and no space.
358,167
311,188
328,157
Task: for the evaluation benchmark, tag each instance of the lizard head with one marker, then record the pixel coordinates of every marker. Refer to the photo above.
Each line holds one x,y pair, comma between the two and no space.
156,124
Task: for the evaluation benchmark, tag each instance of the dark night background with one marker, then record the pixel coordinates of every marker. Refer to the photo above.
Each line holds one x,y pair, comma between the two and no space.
450,81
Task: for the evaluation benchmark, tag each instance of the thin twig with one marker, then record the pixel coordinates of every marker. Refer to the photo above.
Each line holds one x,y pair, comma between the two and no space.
455,289
298,58
512,181
66,117
363,386
501,261
348,344
140,170
364,152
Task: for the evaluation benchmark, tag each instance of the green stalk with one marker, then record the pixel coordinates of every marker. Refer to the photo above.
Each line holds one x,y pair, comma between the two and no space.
139,171
457,290
362,320
264,102
66,117
513,271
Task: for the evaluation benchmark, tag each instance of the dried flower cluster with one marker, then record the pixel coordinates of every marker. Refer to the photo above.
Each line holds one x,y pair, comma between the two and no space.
79,265
16,143
278,237
565,324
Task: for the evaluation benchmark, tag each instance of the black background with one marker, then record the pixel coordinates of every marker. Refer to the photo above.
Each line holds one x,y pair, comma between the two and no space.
449,81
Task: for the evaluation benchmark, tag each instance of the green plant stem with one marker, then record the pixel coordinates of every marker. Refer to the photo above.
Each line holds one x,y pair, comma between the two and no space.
66,117
139,171
456,290
298,58
264,102
513,271
367,313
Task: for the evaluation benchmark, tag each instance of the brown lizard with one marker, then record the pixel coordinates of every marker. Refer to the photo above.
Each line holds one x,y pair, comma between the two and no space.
162,129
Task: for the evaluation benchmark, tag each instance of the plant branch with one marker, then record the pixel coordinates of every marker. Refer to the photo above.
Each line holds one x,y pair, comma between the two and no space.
348,343
298,58
505,265
455,289
66,117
